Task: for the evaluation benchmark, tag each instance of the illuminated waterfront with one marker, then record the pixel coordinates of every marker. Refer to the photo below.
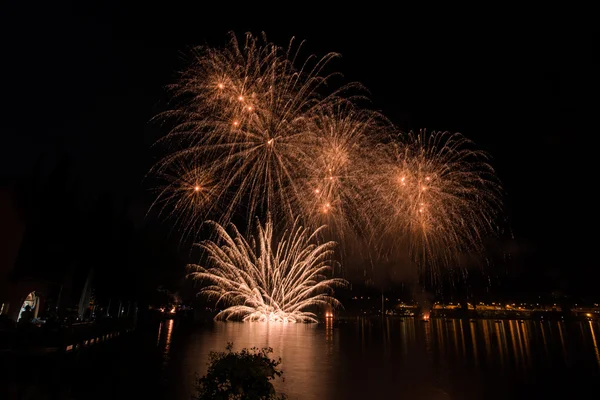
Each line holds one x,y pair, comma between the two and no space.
440,166
352,358
458,359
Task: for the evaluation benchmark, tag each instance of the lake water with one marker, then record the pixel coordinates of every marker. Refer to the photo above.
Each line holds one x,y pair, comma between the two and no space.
393,358
354,359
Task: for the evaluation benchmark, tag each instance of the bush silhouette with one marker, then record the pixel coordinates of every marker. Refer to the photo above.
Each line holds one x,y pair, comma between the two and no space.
243,375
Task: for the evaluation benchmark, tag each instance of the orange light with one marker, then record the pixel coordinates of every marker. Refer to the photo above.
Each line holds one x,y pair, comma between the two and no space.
197,188
241,98
249,108
270,141
317,190
221,86
235,123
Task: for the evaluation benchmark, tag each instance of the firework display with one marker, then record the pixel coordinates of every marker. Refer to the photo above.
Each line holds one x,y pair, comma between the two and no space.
263,135
257,132
441,197
264,279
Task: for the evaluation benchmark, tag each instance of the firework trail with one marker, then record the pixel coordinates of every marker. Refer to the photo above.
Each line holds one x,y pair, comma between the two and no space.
265,279
256,131
187,195
342,173
441,197
252,118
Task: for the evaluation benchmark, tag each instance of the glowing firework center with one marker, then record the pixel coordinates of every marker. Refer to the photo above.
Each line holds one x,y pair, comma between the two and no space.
258,132
261,279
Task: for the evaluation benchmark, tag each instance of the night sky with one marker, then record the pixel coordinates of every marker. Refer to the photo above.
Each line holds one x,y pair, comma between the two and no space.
522,84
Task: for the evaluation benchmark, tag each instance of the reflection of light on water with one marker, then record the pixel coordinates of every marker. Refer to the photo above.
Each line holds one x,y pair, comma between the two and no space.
428,344
404,338
523,339
159,332
595,342
462,338
500,336
516,344
474,341
329,335
326,360
328,329
562,341
362,334
169,331
544,339
306,357
439,334
386,337
387,331
167,334
487,338
455,334
526,339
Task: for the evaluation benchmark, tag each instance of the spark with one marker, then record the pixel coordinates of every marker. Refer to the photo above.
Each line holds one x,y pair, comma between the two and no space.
188,191
290,103
433,195
457,209
264,279
316,128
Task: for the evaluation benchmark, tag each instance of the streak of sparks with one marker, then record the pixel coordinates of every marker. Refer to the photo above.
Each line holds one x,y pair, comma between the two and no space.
263,122
264,279
256,131
440,197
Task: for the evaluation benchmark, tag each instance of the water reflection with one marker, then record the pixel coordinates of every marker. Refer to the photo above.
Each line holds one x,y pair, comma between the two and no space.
595,342
364,358
159,332
307,352
165,331
544,340
329,335
475,355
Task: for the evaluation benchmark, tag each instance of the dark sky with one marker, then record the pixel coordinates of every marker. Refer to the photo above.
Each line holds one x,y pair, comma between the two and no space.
521,83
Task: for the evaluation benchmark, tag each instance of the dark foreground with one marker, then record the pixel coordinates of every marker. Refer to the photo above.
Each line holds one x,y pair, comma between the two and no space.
363,358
